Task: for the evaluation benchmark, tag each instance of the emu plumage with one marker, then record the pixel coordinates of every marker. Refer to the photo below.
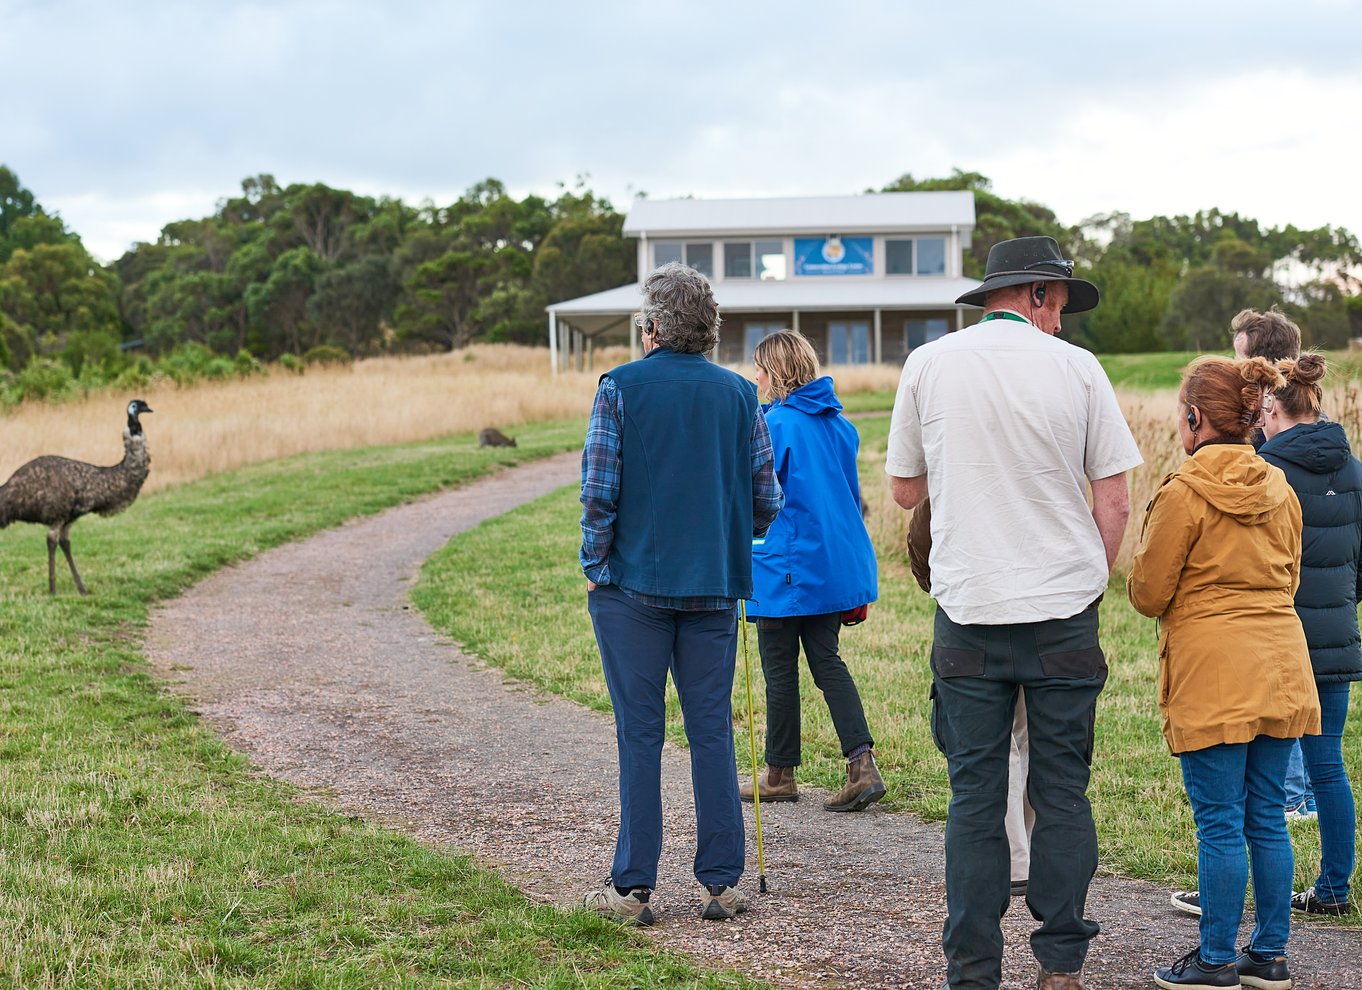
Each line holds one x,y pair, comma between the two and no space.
56,491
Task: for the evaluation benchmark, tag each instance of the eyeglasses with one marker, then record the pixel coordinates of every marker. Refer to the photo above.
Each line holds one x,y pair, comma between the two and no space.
641,323
1064,264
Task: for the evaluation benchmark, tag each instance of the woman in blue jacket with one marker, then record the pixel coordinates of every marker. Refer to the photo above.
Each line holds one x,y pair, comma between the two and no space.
1327,479
815,563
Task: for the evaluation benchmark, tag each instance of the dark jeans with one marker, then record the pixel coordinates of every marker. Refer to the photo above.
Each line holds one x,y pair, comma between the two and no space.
639,645
779,640
1333,794
977,672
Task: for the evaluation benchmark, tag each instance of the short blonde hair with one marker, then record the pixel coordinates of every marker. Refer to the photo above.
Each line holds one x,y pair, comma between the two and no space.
789,361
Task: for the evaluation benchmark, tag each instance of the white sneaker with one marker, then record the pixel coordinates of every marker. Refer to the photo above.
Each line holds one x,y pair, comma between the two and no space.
722,903
1187,900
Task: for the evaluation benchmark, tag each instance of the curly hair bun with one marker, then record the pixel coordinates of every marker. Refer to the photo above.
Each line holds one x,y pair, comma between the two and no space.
1305,370
1261,372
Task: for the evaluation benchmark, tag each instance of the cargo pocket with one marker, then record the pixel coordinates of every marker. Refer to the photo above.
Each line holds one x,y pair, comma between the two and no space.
1069,647
936,721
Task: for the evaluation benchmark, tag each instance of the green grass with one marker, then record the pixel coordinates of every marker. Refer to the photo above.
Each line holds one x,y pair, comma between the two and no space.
136,850
537,630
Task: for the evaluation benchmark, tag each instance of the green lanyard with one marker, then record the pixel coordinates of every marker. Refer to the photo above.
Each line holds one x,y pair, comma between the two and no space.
999,315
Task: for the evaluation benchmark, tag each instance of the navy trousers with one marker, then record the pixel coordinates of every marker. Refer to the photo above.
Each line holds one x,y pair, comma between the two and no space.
639,645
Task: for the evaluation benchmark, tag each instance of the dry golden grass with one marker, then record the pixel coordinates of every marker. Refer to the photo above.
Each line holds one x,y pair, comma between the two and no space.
216,426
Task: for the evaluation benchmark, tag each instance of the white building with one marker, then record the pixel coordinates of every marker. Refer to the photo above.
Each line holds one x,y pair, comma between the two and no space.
865,278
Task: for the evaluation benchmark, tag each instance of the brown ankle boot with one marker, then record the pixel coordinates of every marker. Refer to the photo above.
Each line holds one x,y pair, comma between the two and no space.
776,783
863,788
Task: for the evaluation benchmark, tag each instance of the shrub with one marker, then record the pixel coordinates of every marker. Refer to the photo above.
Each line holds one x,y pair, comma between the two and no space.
247,364
290,362
45,378
325,354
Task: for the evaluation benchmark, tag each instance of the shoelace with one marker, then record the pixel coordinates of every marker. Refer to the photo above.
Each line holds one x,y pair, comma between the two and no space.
1185,963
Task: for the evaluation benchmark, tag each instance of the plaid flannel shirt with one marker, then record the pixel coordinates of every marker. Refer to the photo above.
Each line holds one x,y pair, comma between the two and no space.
601,462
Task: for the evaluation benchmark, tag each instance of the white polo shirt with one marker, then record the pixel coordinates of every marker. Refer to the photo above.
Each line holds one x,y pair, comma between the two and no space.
1008,423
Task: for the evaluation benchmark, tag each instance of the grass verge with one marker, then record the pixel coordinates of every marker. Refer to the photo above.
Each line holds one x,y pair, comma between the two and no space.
136,850
537,630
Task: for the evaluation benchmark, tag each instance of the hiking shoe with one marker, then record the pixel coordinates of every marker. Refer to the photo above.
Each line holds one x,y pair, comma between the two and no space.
722,903
1187,900
1309,902
1058,981
1190,973
776,783
632,909
863,788
1269,974
1303,812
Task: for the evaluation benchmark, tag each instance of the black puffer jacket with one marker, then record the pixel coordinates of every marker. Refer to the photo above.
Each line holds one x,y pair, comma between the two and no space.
1328,481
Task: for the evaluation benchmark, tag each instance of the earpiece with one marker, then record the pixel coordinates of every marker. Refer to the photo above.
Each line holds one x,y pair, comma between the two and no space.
1193,420
1038,294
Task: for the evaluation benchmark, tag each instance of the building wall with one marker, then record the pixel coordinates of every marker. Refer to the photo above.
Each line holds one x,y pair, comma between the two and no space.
838,338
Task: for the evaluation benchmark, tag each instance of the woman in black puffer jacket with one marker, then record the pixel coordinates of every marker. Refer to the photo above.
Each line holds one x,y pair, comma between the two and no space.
1327,479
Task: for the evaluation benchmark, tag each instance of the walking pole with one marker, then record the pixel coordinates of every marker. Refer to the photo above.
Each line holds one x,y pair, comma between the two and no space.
752,736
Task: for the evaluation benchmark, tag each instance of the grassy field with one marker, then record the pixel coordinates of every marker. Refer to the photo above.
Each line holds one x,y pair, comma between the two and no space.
537,630
136,850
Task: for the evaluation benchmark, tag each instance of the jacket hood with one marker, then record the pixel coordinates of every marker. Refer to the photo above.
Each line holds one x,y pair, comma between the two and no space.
815,398
1236,481
1320,448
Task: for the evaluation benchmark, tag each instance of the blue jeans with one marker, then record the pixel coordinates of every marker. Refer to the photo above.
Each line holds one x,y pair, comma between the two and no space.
639,645
1237,792
1297,780
1333,794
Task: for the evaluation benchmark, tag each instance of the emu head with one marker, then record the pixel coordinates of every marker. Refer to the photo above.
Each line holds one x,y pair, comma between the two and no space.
135,408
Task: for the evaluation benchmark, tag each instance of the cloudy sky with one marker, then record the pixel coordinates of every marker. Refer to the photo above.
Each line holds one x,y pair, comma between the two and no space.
124,117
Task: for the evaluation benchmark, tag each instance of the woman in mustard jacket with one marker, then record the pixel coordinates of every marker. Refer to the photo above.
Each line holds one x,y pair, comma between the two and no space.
1218,565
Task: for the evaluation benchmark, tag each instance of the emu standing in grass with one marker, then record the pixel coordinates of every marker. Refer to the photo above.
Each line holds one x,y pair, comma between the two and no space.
56,491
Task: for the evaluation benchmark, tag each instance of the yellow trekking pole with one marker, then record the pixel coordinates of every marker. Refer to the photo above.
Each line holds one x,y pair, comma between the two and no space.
752,736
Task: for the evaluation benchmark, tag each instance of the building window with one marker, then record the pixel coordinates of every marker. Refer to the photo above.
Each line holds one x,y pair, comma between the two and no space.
738,259
919,332
770,260
898,257
931,256
915,256
848,343
753,334
698,254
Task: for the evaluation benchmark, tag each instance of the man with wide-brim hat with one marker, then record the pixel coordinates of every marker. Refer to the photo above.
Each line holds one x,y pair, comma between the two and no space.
1032,261
1006,426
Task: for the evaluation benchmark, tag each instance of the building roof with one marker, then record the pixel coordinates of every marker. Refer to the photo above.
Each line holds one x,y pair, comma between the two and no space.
805,295
870,212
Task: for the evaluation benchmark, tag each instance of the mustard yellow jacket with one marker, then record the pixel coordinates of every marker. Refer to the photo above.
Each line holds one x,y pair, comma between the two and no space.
1218,565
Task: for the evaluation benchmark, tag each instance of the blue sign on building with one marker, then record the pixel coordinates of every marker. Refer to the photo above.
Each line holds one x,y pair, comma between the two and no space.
834,255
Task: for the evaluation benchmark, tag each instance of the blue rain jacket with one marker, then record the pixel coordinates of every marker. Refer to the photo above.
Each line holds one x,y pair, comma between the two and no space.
817,557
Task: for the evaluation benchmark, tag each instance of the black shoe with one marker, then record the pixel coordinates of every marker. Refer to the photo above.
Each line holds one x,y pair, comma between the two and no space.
1310,903
1270,975
1190,973
1187,900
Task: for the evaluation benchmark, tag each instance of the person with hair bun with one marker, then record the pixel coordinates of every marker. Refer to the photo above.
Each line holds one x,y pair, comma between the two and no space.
815,564
1218,566
1327,479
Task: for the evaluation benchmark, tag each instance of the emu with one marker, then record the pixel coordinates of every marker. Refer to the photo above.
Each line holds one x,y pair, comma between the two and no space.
56,491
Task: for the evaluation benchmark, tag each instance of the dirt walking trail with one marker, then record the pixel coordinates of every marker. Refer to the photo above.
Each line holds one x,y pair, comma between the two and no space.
311,661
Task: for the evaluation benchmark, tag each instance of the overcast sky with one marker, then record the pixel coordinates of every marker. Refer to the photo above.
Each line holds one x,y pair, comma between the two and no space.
125,117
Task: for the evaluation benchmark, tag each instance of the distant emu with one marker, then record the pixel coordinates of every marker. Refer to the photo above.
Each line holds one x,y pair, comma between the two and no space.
56,491
492,437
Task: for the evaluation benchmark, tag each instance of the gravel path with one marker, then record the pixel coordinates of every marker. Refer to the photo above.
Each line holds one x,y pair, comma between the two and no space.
310,660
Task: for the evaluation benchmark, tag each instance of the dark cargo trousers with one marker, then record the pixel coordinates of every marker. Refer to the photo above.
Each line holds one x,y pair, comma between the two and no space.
976,674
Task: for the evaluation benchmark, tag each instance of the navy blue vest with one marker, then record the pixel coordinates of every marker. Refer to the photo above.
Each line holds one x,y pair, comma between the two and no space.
684,520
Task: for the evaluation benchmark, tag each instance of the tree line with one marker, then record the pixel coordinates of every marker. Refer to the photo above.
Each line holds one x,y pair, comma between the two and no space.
283,272
1173,283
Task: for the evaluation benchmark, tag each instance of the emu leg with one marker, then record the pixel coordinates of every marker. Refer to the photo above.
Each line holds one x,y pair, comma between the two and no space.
52,562
66,549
